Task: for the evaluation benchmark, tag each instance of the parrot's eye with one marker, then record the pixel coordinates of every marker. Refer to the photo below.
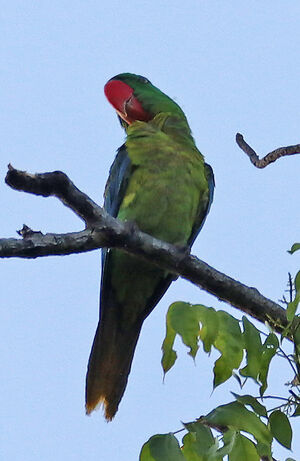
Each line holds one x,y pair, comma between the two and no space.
143,79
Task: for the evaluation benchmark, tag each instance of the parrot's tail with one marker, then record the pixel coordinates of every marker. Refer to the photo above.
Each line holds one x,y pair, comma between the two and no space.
109,366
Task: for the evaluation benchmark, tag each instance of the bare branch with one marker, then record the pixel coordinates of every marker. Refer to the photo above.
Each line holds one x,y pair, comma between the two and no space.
105,231
56,184
270,157
36,244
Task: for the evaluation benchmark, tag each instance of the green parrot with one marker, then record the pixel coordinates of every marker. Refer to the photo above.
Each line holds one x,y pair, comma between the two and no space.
160,182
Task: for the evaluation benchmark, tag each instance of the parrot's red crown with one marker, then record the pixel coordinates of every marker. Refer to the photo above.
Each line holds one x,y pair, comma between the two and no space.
121,97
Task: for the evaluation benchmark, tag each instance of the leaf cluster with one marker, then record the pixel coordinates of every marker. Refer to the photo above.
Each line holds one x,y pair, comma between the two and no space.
243,429
219,330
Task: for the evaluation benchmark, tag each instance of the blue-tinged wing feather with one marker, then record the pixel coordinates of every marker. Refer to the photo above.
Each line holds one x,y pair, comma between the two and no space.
115,188
202,216
114,193
117,182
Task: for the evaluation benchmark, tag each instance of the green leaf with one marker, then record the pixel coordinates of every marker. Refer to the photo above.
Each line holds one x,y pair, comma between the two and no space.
230,343
209,326
294,248
264,451
295,328
252,402
217,328
281,428
269,349
291,310
293,305
228,442
199,443
235,416
297,282
161,447
243,449
169,355
237,377
182,319
202,435
253,348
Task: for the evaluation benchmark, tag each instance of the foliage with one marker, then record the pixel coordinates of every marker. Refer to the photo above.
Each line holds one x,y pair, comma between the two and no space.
244,428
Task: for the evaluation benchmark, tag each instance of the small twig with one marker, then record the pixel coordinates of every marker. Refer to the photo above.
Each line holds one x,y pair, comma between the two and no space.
272,397
296,397
291,287
284,405
179,430
283,300
289,361
270,157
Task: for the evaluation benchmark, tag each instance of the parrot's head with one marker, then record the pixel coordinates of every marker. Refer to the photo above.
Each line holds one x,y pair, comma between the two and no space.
135,98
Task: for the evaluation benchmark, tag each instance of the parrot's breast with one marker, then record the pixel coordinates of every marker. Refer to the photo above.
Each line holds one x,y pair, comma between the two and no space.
166,191
167,188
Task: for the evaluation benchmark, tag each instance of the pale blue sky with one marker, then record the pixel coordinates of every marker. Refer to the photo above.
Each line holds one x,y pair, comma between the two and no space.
232,66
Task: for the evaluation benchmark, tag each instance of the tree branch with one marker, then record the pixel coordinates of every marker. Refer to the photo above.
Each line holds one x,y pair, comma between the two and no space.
55,184
102,230
270,157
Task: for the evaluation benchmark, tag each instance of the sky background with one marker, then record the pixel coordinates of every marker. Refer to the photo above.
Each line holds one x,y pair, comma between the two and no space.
233,67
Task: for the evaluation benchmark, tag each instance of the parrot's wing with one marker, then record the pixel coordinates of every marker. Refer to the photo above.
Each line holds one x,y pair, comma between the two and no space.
115,190
114,343
204,212
117,182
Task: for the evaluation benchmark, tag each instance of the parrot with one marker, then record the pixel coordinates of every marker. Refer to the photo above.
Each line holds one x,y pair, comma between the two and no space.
160,183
